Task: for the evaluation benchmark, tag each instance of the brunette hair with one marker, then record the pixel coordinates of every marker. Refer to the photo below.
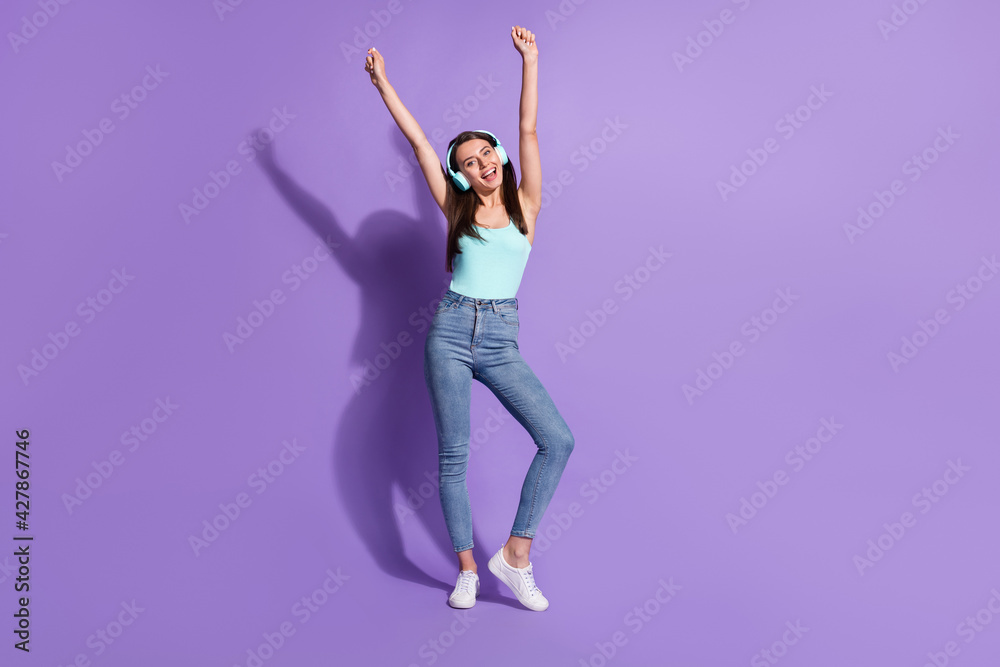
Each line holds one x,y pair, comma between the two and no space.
461,206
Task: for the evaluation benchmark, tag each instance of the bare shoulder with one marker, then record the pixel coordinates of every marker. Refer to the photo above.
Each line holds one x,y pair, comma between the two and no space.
530,215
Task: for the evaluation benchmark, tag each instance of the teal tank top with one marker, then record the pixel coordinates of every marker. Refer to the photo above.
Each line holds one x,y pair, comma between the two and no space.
491,269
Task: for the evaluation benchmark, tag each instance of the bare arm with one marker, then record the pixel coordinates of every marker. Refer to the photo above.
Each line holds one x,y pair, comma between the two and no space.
531,163
430,165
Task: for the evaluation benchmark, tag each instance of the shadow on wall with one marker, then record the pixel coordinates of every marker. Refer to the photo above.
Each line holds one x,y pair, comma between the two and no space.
386,437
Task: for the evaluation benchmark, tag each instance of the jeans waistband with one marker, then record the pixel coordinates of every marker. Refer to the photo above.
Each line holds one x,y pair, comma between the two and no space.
470,301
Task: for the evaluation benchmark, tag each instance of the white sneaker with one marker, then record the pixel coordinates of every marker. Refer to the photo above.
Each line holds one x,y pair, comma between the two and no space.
520,580
466,590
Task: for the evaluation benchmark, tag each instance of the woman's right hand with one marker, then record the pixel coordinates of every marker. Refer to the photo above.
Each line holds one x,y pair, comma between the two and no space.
375,66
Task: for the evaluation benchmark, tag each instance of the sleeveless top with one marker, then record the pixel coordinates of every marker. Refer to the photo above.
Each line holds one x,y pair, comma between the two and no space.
491,269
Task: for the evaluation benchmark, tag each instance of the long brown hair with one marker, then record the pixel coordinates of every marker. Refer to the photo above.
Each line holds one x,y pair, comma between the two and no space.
461,206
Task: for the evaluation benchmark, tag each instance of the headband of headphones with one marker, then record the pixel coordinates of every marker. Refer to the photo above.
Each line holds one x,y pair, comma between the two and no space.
457,177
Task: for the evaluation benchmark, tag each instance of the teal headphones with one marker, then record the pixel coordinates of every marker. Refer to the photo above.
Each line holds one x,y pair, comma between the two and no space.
458,178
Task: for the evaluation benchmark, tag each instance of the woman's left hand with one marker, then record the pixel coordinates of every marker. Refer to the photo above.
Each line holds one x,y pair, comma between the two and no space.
524,41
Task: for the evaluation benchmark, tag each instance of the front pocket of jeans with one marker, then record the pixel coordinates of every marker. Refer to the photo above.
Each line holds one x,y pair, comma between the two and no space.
445,304
509,317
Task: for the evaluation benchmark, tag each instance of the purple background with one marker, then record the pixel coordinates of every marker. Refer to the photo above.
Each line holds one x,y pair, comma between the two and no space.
350,499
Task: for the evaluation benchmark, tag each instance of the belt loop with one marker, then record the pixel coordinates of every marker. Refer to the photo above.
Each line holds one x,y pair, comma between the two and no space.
493,302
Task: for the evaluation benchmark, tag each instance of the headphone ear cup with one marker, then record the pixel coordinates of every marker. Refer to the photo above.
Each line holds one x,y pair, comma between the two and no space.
502,153
460,181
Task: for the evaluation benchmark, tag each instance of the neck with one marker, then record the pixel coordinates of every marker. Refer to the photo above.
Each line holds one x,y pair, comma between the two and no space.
491,200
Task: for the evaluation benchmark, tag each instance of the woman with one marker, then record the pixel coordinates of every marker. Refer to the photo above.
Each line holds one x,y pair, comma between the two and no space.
491,229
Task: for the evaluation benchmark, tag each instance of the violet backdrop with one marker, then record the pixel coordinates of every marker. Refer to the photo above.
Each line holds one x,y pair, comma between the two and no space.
761,293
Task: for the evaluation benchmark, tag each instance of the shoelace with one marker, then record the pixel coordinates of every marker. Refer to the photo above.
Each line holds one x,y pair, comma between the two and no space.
466,582
529,580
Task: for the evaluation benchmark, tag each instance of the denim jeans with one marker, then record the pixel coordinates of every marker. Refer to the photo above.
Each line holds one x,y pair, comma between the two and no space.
477,339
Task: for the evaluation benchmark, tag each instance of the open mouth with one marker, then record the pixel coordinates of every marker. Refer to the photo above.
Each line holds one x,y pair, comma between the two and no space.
490,175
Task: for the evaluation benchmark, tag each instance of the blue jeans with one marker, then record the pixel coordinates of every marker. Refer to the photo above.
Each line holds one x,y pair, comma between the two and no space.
477,339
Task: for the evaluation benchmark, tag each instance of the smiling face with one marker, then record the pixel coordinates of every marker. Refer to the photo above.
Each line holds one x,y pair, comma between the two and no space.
479,162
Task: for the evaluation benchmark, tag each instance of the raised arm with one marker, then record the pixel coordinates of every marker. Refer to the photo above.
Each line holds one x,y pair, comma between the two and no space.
531,163
430,165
